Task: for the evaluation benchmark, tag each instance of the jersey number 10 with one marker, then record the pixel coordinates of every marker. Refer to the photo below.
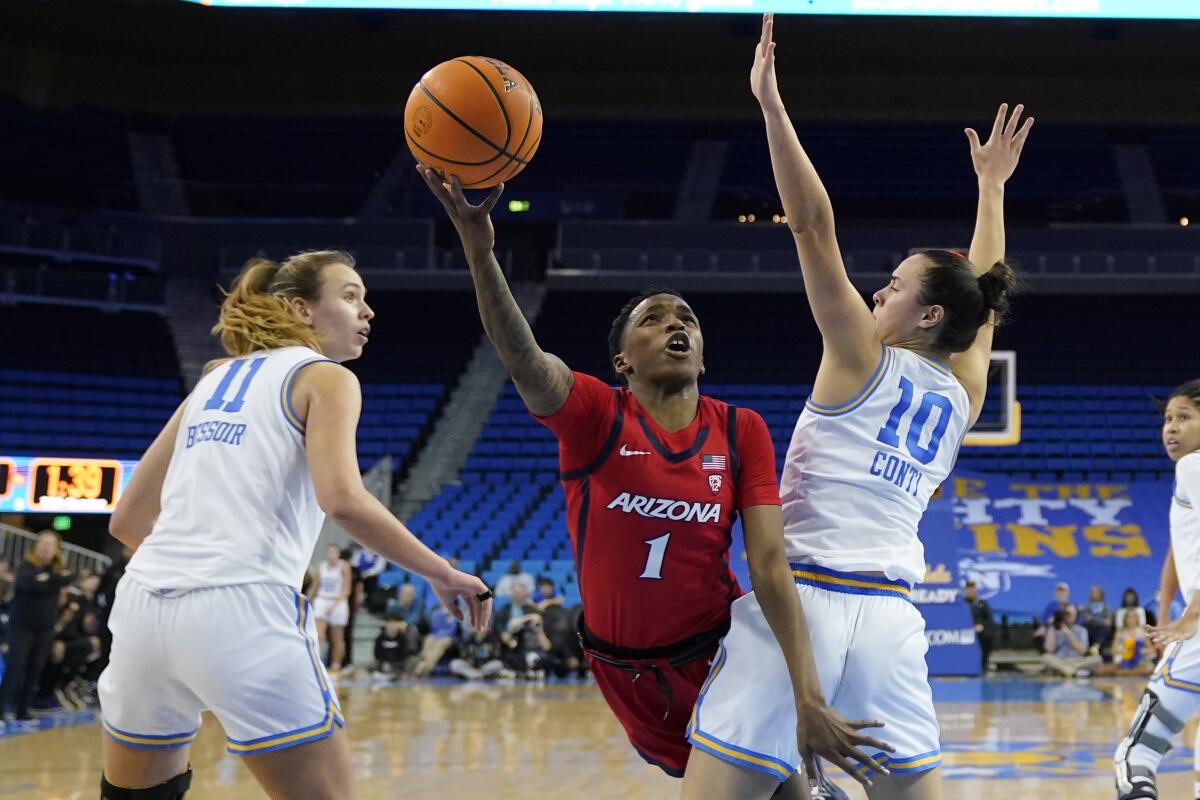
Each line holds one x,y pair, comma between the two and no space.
889,434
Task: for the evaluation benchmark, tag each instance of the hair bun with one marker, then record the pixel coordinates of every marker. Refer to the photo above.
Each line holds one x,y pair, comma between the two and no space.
998,285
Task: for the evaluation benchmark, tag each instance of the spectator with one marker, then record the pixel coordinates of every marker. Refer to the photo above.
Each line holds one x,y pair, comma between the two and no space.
1066,648
407,606
546,594
1098,620
1129,599
76,655
395,648
981,615
1062,599
519,628
479,656
6,582
1132,652
442,629
515,575
32,616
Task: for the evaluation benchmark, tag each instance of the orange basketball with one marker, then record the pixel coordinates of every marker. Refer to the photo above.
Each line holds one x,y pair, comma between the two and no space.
474,117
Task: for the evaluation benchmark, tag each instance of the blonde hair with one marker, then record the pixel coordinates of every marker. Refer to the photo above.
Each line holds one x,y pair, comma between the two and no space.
56,562
256,313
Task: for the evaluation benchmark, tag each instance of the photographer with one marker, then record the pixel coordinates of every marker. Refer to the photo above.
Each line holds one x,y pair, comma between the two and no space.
519,628
1067,650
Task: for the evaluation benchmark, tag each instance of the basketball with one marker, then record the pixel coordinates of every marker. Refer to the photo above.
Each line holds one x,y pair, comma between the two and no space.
473,117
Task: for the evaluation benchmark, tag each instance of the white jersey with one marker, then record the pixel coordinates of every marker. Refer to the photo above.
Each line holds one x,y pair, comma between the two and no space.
858,476
1185,524
330,586
238,503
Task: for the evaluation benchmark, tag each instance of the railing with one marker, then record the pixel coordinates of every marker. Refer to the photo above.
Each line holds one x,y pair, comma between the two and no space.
61,243
15,543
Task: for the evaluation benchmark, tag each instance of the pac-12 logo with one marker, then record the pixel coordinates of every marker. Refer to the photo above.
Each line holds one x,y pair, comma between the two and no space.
714,483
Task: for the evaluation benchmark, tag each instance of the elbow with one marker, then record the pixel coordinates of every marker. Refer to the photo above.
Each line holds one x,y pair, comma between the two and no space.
341,504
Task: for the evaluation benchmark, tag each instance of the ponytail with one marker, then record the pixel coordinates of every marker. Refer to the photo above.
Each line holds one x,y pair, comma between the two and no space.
968,299
256,313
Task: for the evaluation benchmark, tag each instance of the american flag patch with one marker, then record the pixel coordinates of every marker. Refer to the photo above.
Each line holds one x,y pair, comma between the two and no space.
712,462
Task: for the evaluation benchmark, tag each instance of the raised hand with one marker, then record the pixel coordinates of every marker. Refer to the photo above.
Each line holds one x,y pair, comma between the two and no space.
762,74
995,161
1180,630
821,731
473,222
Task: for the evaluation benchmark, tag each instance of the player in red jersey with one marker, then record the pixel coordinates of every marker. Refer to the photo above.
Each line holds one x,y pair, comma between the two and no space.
655,475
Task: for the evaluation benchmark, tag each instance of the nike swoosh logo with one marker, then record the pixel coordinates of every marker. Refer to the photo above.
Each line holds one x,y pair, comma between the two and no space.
625,451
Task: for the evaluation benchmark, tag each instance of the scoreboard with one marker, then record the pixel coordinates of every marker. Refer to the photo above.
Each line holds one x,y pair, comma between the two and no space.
51,485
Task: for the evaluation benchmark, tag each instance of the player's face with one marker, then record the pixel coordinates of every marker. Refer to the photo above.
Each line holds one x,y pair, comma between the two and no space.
663,343
900,316
332,554
341,316
1181,428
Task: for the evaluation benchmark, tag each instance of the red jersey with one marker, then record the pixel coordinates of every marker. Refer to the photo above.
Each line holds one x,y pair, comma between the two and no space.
651,513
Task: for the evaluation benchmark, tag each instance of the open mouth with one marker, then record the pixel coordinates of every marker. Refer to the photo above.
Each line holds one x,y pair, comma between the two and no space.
679,344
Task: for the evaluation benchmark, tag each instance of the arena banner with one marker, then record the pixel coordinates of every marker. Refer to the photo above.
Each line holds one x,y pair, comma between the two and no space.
1018,538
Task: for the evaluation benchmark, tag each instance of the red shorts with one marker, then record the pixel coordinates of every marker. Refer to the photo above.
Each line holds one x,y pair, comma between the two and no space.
653,698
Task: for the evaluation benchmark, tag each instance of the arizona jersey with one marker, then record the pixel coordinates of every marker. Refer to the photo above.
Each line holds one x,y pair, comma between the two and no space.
1185,524
238,503
651,512
858,476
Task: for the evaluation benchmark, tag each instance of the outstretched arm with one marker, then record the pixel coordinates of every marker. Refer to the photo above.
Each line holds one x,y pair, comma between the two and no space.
844,320
994,165
542,379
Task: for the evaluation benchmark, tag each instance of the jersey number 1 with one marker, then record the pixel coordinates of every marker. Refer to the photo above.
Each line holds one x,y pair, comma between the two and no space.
239,399
658,549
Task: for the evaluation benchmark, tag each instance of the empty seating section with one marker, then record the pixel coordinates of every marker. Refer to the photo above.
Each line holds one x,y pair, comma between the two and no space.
282,167
1173,153
79,381
75,160
420,344
919,170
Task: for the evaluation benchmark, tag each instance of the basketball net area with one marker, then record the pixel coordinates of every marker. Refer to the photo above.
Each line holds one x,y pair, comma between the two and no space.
999,424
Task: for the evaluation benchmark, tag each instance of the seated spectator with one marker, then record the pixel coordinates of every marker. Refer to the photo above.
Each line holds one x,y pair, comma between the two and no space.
1132,652
479,656
395,648
561,628
32,616
546,593
7,578
504,587
443,628
1066,648
1062,599
1098,620
408,607
76,655
519,627
1129,599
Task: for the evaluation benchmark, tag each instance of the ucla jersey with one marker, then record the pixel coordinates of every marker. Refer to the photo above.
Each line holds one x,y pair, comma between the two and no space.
238,503
858,476
331,581
1185,524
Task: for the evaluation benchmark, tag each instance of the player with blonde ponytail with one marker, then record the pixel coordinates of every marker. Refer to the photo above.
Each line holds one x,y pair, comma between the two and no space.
224,510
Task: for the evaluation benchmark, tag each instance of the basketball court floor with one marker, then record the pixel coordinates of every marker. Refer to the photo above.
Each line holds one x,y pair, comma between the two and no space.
1002,737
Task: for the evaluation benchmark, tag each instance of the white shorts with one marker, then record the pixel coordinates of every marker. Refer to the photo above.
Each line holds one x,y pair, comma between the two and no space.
332,610
1178,669
248,653
869,646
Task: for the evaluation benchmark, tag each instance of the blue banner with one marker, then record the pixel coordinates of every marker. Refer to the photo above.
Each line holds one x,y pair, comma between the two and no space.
1018,538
